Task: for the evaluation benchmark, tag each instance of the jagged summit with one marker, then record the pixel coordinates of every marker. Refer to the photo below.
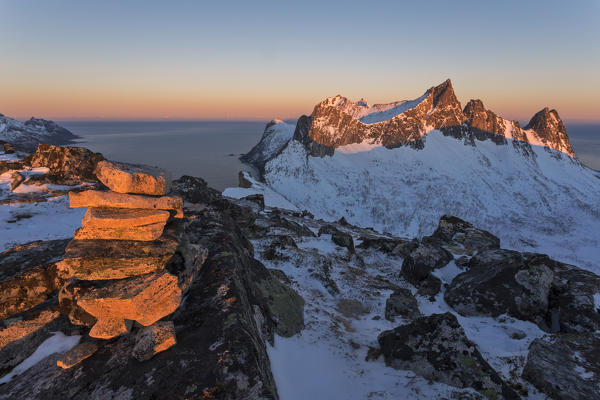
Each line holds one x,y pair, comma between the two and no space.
338,121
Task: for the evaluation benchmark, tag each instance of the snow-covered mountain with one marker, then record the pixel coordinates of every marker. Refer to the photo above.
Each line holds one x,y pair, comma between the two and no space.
26,135
399,167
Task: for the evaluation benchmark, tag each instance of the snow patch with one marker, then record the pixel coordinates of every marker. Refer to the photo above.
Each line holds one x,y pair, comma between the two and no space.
58,343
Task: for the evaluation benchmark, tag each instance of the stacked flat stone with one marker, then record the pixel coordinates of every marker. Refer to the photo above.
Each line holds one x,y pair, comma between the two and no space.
123,247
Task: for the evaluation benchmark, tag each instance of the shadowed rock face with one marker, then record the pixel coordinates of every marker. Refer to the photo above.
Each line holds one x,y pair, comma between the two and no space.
25,136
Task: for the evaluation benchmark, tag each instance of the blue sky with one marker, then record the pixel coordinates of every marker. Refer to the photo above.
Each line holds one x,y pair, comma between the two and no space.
192,59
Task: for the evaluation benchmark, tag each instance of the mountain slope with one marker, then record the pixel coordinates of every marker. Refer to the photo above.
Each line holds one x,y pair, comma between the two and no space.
26,135
400,175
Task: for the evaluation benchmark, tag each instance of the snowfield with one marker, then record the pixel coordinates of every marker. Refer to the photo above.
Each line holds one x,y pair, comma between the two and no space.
533,198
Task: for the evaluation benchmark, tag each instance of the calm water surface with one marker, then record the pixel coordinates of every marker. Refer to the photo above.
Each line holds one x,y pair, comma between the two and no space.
211,149
206,149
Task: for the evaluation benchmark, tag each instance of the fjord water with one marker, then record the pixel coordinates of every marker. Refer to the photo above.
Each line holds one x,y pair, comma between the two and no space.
210,149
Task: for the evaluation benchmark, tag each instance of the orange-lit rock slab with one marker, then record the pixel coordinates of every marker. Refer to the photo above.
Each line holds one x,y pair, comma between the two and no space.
96,198
116,259
77,354
153,339
137,179
144,299
122,224
20,329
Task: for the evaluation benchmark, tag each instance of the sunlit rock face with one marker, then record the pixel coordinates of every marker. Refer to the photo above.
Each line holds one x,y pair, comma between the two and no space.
133,179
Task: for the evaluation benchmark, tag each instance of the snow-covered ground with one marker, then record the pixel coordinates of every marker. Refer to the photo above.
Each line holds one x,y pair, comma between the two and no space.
344,314
543,202
37,215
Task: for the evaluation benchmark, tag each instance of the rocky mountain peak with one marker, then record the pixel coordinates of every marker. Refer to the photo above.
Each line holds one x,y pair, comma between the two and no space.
445,110
551,130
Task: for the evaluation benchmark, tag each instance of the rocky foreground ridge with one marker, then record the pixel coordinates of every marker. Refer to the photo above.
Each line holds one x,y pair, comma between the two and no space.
205,301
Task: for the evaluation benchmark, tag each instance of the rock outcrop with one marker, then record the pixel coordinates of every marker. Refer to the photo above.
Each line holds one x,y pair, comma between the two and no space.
276,135
551,130
437,348
557,297
68,165
565,367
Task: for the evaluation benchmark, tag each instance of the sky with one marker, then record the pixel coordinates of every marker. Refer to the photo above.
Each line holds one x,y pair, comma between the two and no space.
257,60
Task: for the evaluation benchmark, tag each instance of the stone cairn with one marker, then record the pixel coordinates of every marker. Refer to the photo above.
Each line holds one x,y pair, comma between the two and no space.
116,264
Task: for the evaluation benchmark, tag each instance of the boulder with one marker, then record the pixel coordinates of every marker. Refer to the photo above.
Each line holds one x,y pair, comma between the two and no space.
136,179
338,237
531,287
565,366
194,190
16,180
77,354
28,275
122,224
153,339
572,307
68,165
116,259
459,233
437,348
403,304
144,299
417,266
96,198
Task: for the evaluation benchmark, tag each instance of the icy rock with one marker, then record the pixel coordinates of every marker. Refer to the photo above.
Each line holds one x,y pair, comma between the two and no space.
153,339
122,224
136,179
77,354
96,198
144,299
565,367
437,348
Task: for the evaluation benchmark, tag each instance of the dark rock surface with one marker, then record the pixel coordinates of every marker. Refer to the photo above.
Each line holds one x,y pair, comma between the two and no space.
403,304
459,233
28,275
68,165
531,287
565,366
437,348
421,261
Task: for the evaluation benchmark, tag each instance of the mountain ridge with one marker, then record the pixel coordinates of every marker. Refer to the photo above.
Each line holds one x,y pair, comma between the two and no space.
25,136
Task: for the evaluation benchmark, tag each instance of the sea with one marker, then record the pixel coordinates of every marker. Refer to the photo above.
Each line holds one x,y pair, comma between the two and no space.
210,149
